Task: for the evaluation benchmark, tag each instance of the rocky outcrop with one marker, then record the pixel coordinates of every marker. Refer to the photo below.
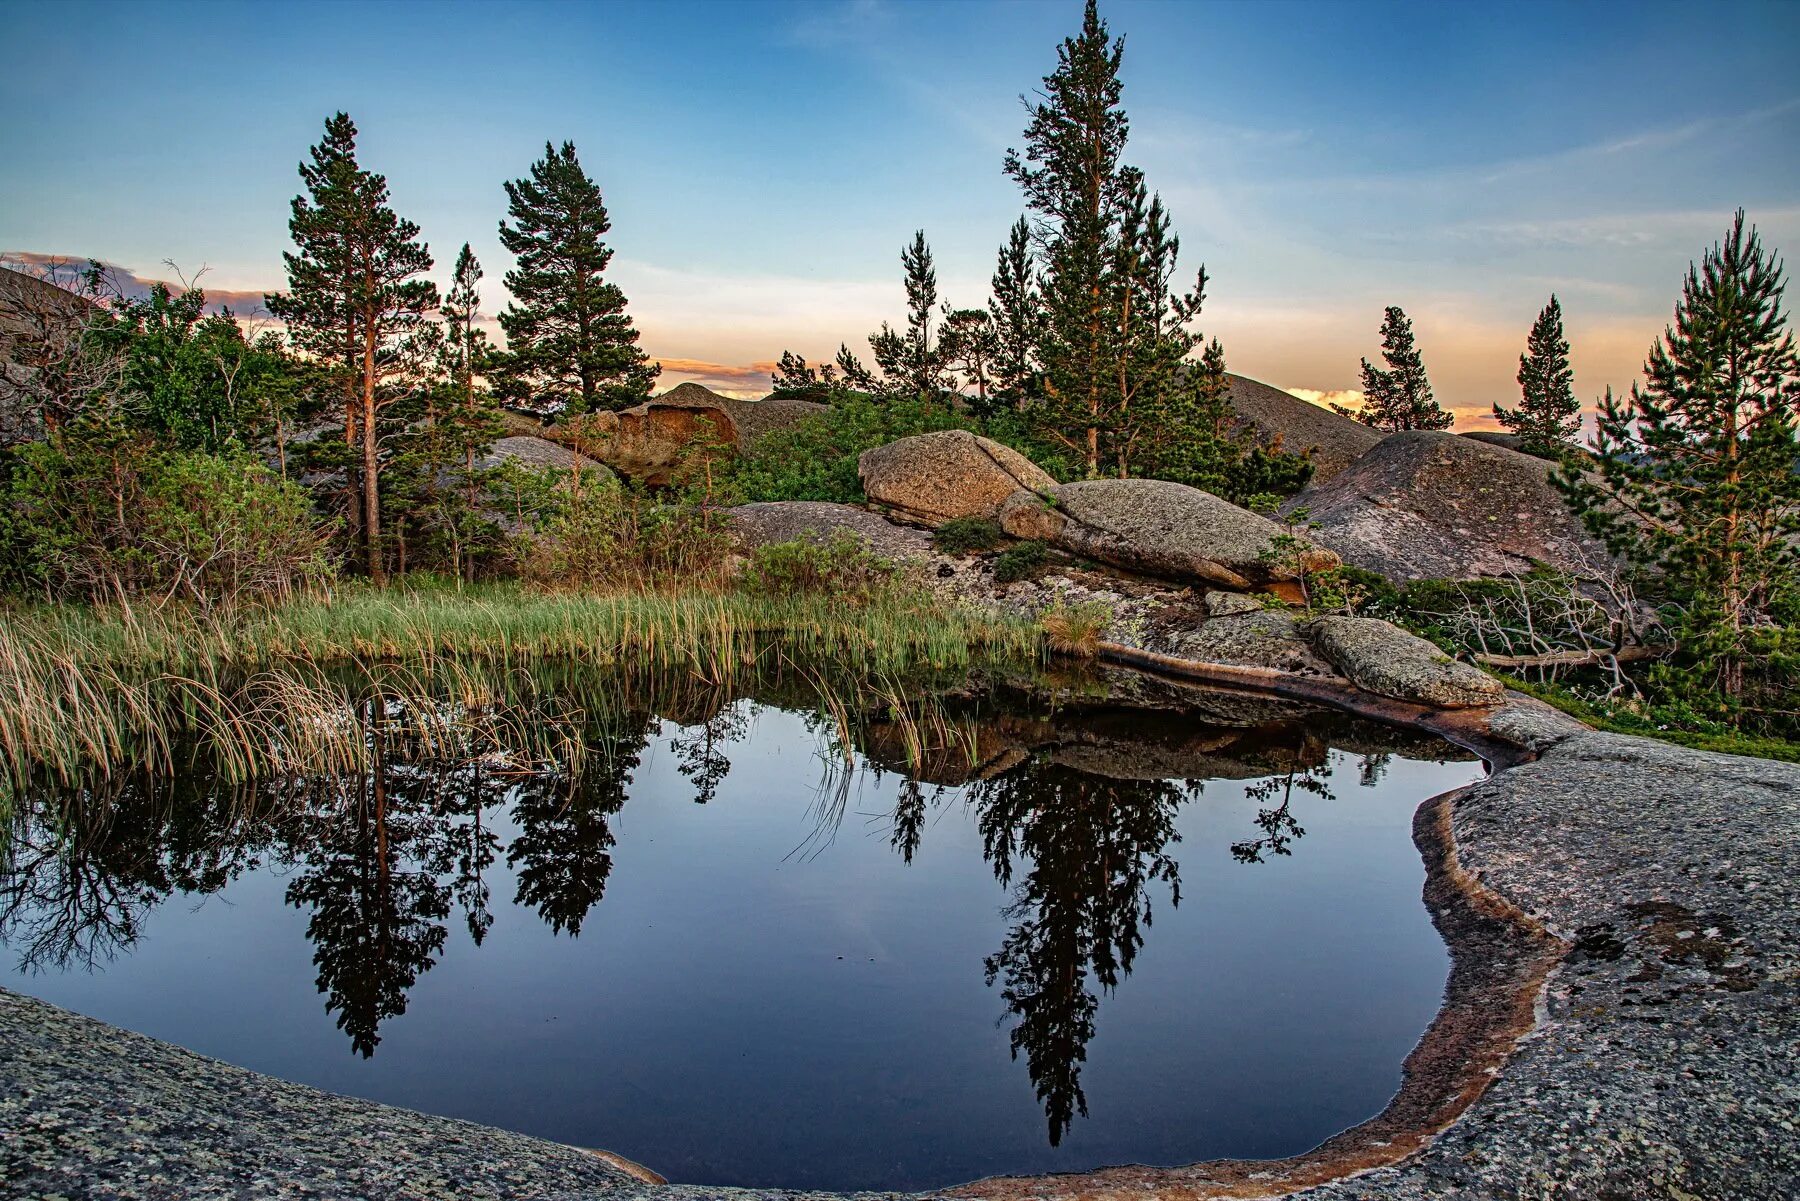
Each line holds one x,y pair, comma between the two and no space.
1282,421
1380,657
1256,638
651,442
935,478
1157,528
1427,505
791,521
529,451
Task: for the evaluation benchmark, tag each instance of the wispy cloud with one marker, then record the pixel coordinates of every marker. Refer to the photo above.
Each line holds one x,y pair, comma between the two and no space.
745,380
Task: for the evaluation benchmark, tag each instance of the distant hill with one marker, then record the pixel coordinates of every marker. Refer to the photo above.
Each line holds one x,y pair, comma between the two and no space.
1271,414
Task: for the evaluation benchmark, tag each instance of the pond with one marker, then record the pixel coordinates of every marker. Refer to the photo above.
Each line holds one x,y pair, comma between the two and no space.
767,938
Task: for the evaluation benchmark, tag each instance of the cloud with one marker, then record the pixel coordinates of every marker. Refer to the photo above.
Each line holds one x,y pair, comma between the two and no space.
129,284
1350,398
745,381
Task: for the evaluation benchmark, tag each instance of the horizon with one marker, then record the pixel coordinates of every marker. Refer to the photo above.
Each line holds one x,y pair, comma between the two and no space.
753,213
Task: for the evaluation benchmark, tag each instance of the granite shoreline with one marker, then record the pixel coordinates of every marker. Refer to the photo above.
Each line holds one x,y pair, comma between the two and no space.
1622,1021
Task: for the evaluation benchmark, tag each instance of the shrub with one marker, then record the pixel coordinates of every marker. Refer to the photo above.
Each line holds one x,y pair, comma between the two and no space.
1020,561
842,565
612,535
967,534
1075,629
106,515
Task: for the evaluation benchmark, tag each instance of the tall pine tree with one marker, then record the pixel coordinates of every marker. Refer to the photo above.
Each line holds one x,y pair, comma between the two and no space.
1548,416
1075,184
1398,397
570,344
353,299
912,362
1018,317
1696,478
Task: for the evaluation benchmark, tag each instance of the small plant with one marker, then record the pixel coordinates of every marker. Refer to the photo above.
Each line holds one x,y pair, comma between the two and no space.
842,566
1075,629
1020,562
966,535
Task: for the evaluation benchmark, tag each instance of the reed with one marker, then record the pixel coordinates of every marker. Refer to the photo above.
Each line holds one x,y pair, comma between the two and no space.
452,671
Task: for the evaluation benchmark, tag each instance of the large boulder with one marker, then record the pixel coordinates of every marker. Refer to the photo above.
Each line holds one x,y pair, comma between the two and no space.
653,441
530,451
1282,421
1430,505
769,522
1382,658
935,478
1157,528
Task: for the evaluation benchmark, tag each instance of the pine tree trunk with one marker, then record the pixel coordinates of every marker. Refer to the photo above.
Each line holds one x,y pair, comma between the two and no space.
371,467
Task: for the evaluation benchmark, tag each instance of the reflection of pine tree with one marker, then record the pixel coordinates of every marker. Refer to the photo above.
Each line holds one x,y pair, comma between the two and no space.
377,920
700,751
1094,845
562,854
84,866
1277,822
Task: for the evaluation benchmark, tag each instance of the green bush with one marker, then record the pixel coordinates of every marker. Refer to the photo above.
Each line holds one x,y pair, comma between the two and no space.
606,534
842,566
967,534
1020,561
816,458
104,514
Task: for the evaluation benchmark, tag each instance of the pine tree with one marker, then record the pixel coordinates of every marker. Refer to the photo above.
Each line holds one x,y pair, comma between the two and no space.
1074,182
472,420
353,299
969,345
1548,416
1153,341
570,344
1018,319
911,363
1398,398
1696,474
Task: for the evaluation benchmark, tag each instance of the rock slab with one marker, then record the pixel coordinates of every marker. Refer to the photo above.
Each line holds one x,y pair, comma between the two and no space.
937,478
1157,528
1380,657
1433,505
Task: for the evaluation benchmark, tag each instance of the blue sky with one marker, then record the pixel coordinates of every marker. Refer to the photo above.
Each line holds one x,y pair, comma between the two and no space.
764,162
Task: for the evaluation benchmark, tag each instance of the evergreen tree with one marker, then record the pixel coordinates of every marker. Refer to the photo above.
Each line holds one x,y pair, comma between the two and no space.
1153,341
470,421
1197,441
570,344
1398,398
1076,185
969,345
911,363
1018,321
1696,477
1548,416
353,298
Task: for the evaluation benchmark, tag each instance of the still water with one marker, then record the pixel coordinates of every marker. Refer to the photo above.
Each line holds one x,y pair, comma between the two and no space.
760,945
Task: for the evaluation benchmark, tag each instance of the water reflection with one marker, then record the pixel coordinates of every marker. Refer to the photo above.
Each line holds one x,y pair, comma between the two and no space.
1075,808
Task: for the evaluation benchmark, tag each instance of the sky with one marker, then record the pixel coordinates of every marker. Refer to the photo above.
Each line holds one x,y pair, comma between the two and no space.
764,163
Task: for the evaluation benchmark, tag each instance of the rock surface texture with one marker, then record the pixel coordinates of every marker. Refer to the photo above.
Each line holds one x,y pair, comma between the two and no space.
935,478
1664,1064
1281,420
1380,657
1430,505
1154,527
791,521
651,441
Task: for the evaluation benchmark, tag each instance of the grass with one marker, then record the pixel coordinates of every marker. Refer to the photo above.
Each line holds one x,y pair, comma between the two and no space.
281,688
1620,720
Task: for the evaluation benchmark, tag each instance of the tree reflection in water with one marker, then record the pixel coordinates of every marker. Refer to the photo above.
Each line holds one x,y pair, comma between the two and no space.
1086,849
382,860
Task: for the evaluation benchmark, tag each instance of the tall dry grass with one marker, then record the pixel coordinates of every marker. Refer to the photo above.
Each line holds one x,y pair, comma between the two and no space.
453,671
